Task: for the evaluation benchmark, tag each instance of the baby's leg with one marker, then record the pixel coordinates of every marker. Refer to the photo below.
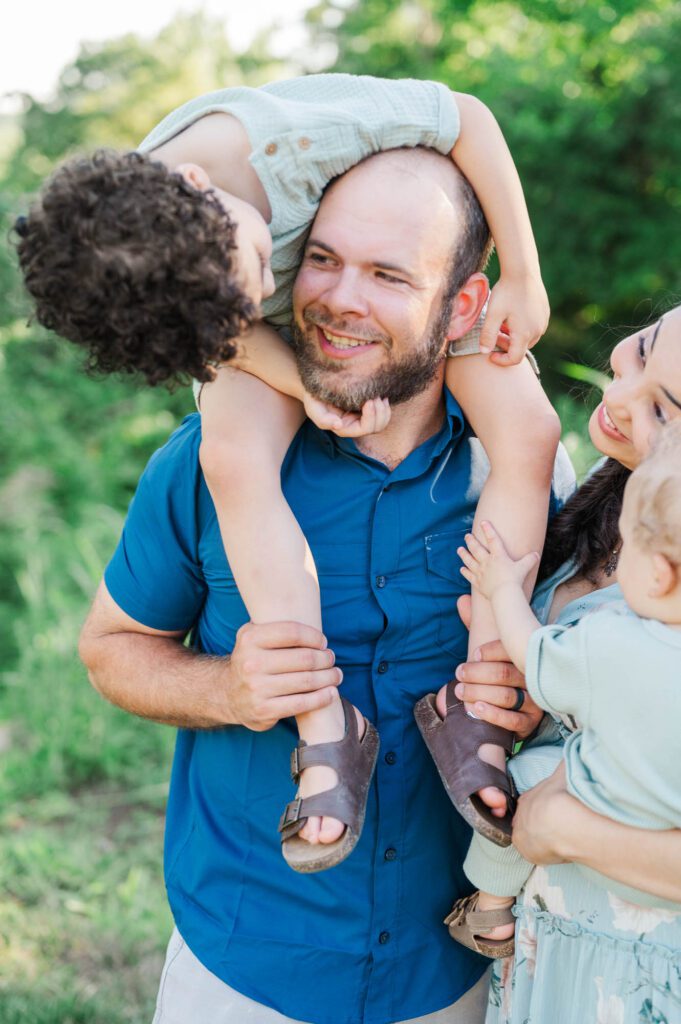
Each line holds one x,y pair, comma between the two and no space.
519,430
247,428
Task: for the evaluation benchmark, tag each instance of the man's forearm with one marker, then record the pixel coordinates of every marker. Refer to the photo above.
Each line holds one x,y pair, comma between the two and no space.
160,679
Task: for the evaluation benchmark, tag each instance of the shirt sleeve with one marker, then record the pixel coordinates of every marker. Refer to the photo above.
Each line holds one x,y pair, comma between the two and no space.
155,575
557,670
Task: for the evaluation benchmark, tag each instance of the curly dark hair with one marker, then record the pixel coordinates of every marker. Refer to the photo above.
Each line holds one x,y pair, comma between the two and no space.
126,259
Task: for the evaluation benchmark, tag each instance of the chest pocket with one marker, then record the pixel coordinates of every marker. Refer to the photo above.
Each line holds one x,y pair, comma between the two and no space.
446,584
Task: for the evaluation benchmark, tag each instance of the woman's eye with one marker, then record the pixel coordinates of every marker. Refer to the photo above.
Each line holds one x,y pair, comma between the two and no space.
318,257
642,348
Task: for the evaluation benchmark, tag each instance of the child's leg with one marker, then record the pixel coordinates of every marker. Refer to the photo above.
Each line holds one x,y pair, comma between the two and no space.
519,430
247,428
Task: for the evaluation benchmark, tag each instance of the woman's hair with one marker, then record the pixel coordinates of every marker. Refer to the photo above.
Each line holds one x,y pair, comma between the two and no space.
129,261
586,529
655,494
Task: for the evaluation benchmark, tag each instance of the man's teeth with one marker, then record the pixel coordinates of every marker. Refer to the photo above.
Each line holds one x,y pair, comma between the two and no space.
338,341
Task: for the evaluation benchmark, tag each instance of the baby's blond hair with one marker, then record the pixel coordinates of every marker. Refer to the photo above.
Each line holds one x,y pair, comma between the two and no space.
655,491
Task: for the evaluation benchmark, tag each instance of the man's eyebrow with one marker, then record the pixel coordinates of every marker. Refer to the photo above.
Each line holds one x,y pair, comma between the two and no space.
316,244
320,245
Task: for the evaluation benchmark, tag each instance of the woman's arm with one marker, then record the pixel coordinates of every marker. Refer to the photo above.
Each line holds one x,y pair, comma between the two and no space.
552,827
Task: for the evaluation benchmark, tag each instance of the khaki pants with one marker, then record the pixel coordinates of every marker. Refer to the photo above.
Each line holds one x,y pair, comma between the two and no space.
189,993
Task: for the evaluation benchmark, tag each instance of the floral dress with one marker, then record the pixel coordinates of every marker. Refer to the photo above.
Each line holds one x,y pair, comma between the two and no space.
583,953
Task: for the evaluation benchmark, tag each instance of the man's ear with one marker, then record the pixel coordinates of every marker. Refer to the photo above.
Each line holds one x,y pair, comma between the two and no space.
468,305
195,176
665,576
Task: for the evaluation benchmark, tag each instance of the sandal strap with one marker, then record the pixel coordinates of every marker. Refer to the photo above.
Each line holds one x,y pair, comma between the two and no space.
485,920
353,760
459,742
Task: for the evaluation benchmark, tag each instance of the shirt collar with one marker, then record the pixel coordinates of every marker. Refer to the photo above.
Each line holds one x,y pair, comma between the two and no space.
449,434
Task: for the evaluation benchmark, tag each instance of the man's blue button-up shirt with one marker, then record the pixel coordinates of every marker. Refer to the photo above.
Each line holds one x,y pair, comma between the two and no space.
362,943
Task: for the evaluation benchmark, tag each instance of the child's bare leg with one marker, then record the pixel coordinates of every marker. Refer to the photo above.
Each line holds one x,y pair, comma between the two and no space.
247,428
519,430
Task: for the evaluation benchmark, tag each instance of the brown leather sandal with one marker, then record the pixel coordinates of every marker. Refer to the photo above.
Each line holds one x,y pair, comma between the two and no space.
466,924
454,742
353,759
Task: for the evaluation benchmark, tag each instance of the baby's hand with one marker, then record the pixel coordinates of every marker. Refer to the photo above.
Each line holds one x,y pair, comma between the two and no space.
517,316
490,568
374,417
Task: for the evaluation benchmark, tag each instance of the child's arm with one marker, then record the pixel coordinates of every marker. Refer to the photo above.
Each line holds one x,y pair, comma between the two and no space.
248,423
500,578
519,297
519,430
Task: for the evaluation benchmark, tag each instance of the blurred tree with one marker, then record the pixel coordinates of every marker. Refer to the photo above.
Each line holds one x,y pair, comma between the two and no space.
589,97
115,92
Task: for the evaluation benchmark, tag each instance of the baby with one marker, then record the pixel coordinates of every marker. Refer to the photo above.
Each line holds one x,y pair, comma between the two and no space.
623,757
155,261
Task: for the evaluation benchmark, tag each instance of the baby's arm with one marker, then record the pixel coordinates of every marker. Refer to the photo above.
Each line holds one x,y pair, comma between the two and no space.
519,430
489,568
519,297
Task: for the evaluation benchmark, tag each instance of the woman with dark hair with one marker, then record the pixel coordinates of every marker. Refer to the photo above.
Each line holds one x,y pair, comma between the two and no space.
588,947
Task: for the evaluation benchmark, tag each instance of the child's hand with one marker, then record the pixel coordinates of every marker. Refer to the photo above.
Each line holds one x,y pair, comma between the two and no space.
374,417
489,568
517,316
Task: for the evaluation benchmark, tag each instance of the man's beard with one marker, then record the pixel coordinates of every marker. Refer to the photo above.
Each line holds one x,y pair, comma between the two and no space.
399,381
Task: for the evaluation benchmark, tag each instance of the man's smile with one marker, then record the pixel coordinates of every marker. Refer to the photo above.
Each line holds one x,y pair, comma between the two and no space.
342,346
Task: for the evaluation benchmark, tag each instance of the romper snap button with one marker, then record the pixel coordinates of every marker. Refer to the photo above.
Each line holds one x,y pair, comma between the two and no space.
304,143
271,148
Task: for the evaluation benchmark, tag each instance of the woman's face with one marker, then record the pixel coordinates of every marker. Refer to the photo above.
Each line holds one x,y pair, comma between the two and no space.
644,394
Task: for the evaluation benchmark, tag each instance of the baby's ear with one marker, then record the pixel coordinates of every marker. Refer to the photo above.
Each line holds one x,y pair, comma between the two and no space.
665,578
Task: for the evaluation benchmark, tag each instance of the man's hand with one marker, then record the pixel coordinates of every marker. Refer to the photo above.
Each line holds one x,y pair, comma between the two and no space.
519,310
543,817
489,685
374,417
278,670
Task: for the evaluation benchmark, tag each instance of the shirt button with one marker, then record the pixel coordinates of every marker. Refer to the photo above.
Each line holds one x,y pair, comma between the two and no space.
390,853
304,143
271,148
384,937
390,757
382,667
380,582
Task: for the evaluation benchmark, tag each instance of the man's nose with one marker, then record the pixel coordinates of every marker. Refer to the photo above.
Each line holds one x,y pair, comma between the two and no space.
345,295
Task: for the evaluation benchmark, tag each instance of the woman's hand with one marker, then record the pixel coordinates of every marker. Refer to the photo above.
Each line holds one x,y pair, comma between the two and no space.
490,685
544,818
373,418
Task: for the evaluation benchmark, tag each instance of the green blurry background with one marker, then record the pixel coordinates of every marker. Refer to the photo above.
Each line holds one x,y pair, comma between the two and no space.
589,97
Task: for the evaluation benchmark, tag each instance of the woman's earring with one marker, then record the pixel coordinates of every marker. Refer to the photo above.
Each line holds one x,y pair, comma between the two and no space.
611,563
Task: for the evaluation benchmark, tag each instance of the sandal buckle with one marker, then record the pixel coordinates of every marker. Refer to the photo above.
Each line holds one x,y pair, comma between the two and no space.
295,764
291,813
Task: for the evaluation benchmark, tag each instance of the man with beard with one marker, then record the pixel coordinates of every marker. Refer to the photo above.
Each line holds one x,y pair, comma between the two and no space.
379,295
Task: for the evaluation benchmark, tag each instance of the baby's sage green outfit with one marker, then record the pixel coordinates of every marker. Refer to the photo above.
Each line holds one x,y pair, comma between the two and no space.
306,131
587,948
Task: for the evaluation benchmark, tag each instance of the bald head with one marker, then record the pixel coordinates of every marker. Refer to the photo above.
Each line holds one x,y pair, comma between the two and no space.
422,194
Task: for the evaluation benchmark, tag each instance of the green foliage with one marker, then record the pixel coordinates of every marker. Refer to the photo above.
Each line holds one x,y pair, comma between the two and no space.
589,97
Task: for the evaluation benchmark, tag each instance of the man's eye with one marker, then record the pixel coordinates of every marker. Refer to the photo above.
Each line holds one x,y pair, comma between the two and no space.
318,257
389,277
